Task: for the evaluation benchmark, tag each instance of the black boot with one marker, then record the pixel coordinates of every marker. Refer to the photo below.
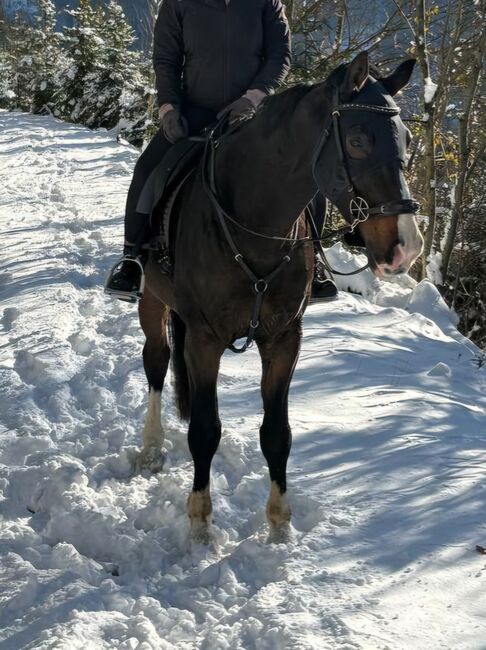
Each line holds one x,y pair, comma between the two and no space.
127,278
323,289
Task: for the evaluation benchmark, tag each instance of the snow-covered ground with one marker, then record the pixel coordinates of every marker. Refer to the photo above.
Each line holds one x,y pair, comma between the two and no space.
388,408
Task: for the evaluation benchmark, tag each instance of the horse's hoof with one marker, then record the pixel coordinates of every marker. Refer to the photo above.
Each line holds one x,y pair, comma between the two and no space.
280,534
150,458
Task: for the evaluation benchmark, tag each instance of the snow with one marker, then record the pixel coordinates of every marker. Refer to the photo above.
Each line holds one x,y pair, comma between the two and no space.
430,89
434,266
388,408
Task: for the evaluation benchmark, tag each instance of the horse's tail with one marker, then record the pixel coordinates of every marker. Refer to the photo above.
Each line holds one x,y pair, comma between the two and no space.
177,332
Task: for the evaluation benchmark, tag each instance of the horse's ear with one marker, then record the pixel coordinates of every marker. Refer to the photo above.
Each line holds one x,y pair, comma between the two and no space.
399,78
356,75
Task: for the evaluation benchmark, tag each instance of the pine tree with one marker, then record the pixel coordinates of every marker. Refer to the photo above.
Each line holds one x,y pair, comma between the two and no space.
29,59
82,58
7,65
18,62
104,84
48,56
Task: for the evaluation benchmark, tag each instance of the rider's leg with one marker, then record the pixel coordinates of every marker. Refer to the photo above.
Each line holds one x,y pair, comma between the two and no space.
136,214
125,280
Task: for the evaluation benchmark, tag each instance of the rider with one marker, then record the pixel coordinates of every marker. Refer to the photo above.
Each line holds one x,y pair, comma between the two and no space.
211,57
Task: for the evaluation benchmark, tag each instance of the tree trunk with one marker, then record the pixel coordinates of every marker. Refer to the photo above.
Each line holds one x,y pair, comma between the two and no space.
464,120
429,130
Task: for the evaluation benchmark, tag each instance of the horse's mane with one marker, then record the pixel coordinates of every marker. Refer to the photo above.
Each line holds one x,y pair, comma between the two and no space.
280,106
276,107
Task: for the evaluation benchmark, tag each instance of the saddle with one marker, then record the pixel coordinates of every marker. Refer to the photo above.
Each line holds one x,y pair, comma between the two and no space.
176,167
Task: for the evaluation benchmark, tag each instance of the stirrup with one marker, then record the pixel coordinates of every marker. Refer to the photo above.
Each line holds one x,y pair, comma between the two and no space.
127,296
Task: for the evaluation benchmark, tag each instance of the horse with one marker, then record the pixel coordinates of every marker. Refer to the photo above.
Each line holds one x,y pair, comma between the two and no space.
242,254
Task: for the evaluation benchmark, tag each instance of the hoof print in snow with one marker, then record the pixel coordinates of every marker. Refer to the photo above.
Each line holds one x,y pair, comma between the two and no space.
151,459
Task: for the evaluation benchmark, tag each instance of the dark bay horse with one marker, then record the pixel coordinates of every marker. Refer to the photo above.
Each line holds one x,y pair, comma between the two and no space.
343,135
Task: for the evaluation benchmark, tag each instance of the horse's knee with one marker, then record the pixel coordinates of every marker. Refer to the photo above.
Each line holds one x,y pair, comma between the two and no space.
204,438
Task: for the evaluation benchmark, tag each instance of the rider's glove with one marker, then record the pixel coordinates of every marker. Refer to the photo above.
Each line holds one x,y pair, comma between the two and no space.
174,125
239,109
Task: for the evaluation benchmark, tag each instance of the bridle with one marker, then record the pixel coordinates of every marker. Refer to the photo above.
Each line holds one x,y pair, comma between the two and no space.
359,209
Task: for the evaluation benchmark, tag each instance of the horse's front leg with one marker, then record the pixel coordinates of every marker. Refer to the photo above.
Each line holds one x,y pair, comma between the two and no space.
156,354
278,359
202,355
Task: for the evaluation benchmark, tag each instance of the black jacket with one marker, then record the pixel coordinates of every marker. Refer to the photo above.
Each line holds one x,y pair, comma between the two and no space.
208,53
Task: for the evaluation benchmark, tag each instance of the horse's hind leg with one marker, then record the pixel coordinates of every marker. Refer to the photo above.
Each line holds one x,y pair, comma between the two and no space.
278,359
156,354
202,356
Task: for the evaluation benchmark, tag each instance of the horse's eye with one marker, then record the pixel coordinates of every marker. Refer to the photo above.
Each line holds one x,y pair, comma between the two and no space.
358,143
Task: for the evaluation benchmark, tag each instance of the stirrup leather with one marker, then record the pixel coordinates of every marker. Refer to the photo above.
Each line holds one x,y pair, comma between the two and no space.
128,296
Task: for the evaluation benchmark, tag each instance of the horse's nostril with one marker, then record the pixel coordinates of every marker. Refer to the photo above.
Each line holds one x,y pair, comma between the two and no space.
396,251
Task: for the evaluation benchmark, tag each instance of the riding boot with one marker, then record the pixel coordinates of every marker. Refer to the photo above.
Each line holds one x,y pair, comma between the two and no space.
323,289
127,278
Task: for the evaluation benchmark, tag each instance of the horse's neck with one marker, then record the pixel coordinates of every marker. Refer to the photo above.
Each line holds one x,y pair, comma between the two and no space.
266,183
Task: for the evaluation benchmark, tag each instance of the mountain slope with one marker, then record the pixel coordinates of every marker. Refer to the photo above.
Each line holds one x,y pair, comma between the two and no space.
386,476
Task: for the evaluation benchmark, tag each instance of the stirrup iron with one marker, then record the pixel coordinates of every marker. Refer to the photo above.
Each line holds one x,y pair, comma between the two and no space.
127,296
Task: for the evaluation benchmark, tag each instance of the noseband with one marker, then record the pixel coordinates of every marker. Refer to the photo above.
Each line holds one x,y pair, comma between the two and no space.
359,208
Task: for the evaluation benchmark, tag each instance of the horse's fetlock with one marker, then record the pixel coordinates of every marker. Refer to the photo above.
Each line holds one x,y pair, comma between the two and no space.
278,509
199,507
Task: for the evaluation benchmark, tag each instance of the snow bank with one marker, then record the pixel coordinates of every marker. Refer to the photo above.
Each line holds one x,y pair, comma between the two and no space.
386,475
